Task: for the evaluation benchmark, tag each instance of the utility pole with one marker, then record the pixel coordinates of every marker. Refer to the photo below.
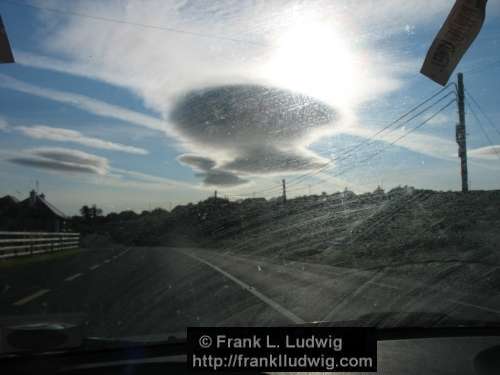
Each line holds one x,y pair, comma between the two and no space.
284,190
461,134
215,194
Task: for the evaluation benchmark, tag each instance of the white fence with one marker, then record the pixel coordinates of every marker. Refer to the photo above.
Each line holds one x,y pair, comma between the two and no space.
13,244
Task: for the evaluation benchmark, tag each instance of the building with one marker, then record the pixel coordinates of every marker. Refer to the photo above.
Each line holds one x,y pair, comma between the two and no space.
8,203
34,214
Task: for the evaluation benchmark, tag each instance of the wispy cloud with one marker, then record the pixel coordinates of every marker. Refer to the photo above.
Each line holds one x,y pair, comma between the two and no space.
440,119
425,144
85,103
73,136
4,125
151,181
487,153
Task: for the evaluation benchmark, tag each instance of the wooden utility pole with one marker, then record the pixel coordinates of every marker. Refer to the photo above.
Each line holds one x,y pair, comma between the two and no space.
461,134
215,194
284,190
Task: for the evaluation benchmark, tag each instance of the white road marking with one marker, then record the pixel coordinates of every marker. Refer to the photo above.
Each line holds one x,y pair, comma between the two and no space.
489,309
276,306
25,300
72,277
107,261
95,267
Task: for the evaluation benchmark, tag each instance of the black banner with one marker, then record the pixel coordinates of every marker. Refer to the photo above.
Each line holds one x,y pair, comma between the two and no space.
282,349
5,50
456,35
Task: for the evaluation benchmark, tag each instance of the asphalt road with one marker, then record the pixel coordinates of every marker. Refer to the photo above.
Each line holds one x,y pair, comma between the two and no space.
148,291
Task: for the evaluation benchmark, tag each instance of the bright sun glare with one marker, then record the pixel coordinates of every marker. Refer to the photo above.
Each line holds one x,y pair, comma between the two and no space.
315,59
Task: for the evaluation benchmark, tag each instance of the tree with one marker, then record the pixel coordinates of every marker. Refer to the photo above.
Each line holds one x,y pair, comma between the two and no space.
95,212
85,212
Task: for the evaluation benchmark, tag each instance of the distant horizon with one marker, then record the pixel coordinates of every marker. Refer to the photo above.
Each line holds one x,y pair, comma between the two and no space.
276,197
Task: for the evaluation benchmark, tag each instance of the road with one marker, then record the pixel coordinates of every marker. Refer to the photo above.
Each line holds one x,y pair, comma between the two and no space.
148,291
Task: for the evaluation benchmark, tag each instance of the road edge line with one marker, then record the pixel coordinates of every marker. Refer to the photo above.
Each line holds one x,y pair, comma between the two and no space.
268,301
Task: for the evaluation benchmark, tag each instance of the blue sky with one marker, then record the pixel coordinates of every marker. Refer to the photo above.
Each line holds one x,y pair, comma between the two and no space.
97,109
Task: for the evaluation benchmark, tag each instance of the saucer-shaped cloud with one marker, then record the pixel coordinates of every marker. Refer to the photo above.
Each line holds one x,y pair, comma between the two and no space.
260,130
62,160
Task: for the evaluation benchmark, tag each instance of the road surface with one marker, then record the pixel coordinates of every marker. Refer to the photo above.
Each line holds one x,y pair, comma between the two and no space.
147,291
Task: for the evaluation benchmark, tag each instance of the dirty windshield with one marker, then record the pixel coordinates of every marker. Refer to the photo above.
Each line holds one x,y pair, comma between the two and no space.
166,164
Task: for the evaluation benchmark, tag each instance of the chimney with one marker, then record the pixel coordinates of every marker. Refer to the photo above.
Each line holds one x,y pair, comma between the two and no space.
32,197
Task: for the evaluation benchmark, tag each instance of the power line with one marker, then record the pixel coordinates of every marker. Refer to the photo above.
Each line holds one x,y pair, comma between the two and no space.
490,121
384,148
396,140
69,13
479,69
371,140
349,150
483,130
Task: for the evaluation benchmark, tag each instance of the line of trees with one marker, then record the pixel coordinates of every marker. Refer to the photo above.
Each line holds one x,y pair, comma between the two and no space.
90,214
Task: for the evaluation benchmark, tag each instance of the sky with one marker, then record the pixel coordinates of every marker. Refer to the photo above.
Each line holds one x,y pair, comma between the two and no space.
136,105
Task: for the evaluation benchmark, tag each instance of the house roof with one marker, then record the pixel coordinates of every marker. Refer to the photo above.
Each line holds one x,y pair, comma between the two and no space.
41,200
8,199
51,207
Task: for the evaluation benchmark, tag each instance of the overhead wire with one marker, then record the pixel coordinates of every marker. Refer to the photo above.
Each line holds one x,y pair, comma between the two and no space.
485,133
476,103
131,23
393,142
350,149
482,68
368,141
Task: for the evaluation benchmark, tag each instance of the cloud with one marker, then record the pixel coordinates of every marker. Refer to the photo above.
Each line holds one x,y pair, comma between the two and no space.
488,152
249,115
96,107
149,180
215,177
157,65
425,144
251,129
270,160
4,125
67,135
62,160
53,165
212,176
440,119
199,163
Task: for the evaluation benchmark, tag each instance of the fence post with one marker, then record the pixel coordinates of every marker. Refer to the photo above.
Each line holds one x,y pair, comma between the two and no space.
32,237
